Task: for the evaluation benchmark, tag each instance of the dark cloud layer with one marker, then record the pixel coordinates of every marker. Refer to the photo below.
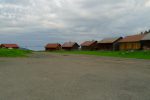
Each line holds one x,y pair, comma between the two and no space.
36,22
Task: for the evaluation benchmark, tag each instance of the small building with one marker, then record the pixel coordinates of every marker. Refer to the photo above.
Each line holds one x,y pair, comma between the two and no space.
89,45
70,46
9,46
53,47
146,42
132,42
109,44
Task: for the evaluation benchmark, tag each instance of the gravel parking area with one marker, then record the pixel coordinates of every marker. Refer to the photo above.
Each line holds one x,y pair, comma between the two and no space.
46,76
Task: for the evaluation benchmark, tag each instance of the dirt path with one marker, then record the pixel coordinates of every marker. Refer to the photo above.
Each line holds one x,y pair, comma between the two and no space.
46,76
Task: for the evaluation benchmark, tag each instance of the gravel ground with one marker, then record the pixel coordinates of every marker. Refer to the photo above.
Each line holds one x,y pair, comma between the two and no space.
46,76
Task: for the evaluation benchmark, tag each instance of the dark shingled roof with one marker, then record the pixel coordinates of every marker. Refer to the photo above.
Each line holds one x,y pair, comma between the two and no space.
69,44
10,45
88,43
110,40
133,38
52,45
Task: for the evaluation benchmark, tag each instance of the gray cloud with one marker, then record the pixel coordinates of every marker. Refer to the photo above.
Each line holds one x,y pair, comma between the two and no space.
77,20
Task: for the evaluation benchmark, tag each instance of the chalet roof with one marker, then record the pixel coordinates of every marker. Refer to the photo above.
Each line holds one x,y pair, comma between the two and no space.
133,38
110,40
10,45
88,43
146,37
69,44
52,45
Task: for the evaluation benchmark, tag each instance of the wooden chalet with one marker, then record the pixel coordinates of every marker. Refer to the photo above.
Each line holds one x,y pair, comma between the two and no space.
109,44
70,46
89,45
132,42
146,42
53,47
9,46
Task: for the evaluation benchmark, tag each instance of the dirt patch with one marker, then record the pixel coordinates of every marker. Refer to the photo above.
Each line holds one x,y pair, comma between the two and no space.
46,76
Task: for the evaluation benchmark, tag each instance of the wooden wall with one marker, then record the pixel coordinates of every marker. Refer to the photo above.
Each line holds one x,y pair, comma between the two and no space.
105,46
146,45
52,49
91,47
130,46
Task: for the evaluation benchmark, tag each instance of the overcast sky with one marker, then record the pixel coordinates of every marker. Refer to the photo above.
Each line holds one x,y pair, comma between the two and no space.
37,22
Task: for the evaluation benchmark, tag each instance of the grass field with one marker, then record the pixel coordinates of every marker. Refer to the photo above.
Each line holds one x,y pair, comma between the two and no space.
124,54
13,53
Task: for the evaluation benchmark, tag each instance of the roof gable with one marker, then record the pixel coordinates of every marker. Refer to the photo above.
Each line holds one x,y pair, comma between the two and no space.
52,45
88,43
69,44
110,40
146,37
133,38
10,45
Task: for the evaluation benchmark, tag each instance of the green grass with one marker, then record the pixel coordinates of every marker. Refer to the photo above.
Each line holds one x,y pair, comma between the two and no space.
13,53
123,54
